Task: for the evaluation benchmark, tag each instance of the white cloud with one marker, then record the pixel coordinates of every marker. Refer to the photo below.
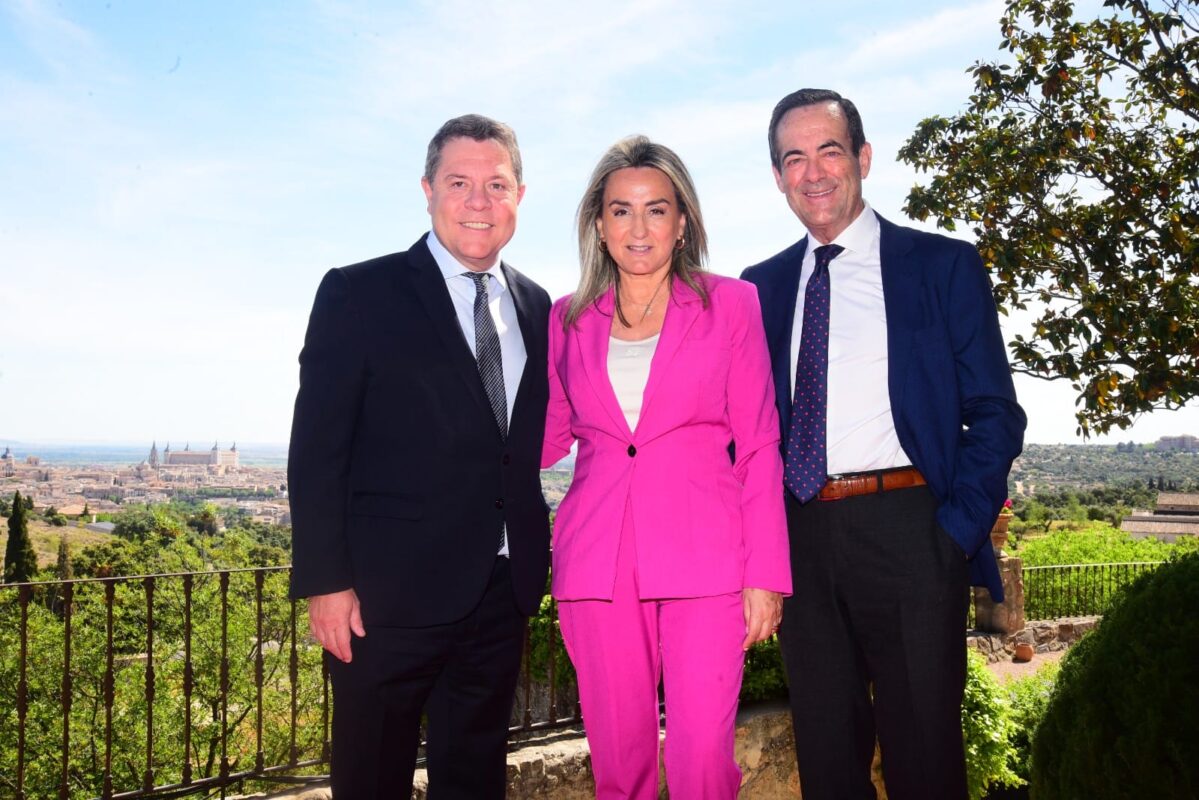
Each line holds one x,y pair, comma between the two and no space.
60,44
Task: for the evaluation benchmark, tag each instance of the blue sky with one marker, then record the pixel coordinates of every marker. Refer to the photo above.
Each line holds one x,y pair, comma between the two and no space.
178,176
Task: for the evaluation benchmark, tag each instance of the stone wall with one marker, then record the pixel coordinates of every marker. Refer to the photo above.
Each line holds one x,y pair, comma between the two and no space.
1045,637
558,765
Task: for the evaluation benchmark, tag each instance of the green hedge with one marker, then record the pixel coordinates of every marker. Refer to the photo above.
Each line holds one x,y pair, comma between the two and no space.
1123,720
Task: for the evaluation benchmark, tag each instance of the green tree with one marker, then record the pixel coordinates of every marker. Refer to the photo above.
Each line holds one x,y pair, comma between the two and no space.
20,561
63,569
205,520
1074,164
139,523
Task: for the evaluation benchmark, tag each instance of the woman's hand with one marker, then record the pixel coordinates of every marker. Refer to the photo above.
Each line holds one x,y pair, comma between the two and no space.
763,613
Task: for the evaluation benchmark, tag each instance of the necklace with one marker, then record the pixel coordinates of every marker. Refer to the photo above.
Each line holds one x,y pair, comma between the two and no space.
646,308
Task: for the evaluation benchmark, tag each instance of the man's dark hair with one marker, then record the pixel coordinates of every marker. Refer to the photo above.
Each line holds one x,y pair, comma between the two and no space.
479,128
811,97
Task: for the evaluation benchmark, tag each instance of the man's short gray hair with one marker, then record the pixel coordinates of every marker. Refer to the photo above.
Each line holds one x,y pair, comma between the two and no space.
479,128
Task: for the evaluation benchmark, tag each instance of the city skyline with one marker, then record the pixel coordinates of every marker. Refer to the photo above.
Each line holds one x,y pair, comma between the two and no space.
183,176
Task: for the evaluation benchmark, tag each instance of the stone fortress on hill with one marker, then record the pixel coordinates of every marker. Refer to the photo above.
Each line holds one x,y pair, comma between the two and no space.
216,457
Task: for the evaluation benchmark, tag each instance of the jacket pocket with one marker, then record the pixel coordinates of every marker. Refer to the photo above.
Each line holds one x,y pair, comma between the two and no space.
385,505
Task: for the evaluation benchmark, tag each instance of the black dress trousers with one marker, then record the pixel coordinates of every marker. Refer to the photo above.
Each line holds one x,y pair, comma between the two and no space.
874,645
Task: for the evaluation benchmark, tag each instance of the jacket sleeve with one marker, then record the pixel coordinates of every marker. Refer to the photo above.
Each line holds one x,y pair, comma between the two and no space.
558,437
332,379
992,432
757,461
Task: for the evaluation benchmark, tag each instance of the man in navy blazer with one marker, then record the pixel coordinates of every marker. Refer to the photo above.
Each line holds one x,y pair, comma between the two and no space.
420,534
894,388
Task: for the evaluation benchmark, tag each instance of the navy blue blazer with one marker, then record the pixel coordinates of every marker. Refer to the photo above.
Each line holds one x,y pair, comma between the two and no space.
952,398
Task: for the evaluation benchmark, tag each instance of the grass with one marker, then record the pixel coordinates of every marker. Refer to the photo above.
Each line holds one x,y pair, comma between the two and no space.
45,539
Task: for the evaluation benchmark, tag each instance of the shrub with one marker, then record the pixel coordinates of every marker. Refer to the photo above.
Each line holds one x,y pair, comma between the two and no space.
1121,719
1028,697
986,729
545,641
764,677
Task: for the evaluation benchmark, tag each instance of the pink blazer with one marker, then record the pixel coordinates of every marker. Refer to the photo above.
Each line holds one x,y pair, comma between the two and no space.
704,524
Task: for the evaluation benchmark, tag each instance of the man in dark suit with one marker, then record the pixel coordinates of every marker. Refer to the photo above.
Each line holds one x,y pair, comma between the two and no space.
899,425
420,534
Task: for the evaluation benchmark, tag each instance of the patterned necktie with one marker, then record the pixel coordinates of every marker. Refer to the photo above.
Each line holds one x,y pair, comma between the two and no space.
487,353
806,458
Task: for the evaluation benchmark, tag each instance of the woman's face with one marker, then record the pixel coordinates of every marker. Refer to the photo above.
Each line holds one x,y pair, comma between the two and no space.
640,220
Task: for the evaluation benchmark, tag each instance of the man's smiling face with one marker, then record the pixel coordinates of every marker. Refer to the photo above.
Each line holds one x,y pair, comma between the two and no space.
473,199
818,170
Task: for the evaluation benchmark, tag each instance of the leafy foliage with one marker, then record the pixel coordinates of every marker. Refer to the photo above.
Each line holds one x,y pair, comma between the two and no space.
223,630
63,569
1094,543
987,730
1076,166
1112,554
155,523
545,643
1121,720
1028,698
765,677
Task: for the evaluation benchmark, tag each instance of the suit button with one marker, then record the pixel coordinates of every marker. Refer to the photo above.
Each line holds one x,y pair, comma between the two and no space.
506,460
632,451
499,503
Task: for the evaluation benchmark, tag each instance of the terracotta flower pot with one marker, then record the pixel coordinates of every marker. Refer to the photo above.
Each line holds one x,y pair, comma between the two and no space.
999,533
1023,652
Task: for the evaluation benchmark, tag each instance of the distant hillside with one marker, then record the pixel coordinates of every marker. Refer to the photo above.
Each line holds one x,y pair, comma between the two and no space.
45,539
80,455
1048,466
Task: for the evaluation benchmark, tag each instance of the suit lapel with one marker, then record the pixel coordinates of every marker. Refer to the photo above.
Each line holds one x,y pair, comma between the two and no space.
594,330
681,313
778,316
430,288
531,332
901,296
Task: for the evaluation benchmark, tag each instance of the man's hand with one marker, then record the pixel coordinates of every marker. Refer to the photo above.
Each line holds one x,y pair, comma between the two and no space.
331,617
763,613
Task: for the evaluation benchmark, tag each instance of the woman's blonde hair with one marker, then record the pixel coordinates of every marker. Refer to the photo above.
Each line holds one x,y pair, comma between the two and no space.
598,272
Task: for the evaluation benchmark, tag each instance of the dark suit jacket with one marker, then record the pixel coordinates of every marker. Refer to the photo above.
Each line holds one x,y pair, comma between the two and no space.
398,477
948,377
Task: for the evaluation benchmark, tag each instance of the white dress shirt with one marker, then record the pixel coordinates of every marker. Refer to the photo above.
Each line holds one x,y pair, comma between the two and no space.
499,303
860,432
503,313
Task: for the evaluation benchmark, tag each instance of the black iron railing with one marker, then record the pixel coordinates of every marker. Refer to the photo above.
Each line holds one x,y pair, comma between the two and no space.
168,685
1074,590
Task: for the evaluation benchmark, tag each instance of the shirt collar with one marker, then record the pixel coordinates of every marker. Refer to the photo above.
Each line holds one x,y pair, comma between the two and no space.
859,236
452,268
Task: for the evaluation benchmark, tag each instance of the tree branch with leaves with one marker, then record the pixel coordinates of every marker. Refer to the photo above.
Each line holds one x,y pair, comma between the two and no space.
1076,165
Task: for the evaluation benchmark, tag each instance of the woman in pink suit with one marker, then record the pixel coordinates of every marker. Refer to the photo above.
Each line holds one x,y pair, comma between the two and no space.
669,556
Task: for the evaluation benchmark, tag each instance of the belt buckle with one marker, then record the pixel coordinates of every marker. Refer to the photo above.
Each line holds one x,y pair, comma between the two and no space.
835,492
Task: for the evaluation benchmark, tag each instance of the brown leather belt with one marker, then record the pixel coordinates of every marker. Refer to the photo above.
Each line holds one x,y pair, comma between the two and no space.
840,487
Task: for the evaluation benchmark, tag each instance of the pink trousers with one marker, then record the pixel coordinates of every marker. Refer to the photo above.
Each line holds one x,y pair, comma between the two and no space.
621,649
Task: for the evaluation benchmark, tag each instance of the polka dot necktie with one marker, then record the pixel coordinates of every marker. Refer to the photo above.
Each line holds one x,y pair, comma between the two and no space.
806,461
